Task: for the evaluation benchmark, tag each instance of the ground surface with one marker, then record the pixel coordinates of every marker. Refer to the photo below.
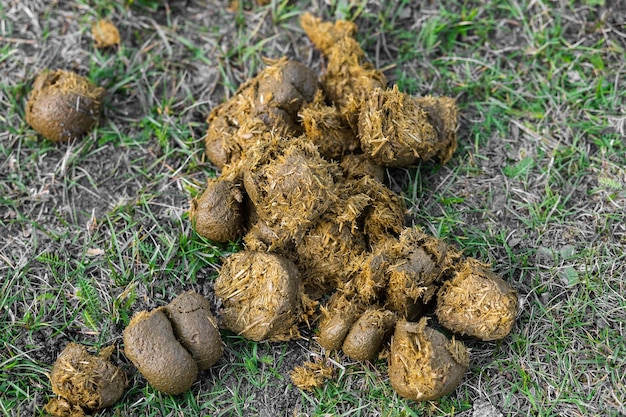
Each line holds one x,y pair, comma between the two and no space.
95,230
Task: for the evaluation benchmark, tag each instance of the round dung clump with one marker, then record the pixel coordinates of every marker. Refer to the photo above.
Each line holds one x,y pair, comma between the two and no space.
63,105
290,185
218,213
366,337
424,364
261,295
105,34
84,383
477,303
150,344
195,328
266,105
338,316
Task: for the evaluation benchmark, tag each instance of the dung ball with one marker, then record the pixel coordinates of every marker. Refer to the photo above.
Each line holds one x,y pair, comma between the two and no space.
424,364
63,105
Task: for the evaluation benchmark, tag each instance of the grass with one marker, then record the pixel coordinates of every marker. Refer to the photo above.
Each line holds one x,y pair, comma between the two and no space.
95,230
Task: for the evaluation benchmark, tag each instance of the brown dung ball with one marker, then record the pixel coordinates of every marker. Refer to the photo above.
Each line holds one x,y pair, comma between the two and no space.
218,213
261,294
105,34
338,316
366,337
195,328
477,303
85,383
425,365
63,105
152,347
328,129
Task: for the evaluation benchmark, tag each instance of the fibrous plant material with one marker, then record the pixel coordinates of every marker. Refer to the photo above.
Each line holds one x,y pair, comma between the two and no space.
63,105
396,129
328,129
349,77
196,328
311,375
477,303
355,166
268,103
105,34
365,339
424,364
84,383
150,344
418,264
290,185
218,213
262,296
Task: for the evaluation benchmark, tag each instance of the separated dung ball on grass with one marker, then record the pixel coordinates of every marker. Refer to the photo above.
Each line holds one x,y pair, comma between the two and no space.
218,213
424,364
195,328
105,34
261,295
311,375
477,303
150,344
63,105
84,383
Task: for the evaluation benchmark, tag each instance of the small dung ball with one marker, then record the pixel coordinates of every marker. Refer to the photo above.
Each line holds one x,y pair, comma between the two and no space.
105,34
152,347
63,105
478,303
85,383
366,337
218,213
261,293
196,328
425,365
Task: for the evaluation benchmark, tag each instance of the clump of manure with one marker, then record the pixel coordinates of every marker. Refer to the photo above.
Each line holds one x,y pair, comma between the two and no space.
262,296
84,383
477,303
365,339
269,102
170,345
311,375
396,129
218,213
424,364
105,34
63,105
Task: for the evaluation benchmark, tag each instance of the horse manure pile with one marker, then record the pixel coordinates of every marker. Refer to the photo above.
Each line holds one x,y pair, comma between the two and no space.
302,163
63,105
